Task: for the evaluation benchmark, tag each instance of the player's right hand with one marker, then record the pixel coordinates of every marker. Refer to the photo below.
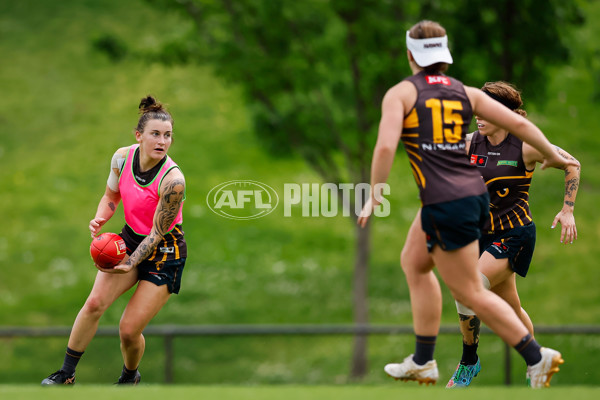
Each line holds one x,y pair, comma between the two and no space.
95,226
365,213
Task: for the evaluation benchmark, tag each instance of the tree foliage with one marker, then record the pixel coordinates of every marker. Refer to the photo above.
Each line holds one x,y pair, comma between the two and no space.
313,72
511,40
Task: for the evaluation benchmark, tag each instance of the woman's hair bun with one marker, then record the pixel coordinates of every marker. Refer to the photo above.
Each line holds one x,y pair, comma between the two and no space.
149,109
149,103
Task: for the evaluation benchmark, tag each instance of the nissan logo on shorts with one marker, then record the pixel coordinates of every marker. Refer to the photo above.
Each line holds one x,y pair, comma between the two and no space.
242,199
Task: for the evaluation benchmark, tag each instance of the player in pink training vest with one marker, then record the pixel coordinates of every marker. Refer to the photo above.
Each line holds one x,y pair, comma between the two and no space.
152,188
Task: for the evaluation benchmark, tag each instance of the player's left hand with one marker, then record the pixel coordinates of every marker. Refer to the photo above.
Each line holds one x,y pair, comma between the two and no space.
568,231
122,268
118,269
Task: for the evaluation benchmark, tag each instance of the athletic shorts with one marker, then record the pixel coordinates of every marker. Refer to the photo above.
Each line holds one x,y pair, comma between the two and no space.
516,244
454,224
162,273
158,272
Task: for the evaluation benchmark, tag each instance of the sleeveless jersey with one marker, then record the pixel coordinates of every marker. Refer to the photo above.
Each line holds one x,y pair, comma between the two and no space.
507,180
433,135
140,201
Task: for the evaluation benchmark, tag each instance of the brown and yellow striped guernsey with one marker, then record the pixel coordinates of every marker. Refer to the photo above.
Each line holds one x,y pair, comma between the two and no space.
507,180
433,135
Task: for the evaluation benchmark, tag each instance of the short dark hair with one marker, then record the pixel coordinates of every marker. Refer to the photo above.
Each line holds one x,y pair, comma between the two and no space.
507,94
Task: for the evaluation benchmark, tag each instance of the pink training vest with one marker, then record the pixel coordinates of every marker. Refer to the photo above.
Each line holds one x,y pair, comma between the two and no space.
140,202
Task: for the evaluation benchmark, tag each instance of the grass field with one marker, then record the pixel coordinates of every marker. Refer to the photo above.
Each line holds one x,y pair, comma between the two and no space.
406,391
62,97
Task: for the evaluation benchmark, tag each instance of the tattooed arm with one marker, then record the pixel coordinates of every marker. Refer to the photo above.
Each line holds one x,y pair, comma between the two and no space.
172,190
109,202
565,216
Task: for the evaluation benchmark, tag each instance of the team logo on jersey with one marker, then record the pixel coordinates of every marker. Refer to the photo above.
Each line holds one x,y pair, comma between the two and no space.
508,162
480,161
437,80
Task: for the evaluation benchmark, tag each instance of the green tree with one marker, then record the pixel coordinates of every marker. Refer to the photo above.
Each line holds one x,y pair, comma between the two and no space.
511,40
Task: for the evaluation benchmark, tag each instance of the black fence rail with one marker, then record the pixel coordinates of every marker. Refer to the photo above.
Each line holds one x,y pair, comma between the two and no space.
170,332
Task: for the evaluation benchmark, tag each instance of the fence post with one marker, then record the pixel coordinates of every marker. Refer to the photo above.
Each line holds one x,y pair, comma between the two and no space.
169,358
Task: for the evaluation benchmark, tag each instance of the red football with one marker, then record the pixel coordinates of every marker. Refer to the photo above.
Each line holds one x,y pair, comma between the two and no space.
107,250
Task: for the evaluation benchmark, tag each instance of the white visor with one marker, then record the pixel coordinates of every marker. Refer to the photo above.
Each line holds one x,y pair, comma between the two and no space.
429,51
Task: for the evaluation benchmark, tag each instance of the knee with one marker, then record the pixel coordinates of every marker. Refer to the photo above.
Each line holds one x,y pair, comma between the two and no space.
129,333
410,270
407,267
94,306
412,265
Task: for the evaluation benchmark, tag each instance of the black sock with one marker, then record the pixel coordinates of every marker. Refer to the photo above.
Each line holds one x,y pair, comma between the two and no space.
529,349
72,357
424,349
128,373
469,354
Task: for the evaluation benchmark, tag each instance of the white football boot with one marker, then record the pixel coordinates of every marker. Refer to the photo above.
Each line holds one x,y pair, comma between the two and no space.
540,374
408,370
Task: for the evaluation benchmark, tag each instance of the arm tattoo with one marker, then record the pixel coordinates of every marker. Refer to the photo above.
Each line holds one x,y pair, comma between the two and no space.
562,153
166,211
143,251
169,204
565,155
111,205
571,186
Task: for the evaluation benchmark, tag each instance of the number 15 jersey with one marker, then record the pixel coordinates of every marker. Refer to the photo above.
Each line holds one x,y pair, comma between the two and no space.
433,135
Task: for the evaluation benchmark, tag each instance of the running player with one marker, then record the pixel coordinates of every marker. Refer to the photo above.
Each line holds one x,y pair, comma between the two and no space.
431,113
508,235
152,188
